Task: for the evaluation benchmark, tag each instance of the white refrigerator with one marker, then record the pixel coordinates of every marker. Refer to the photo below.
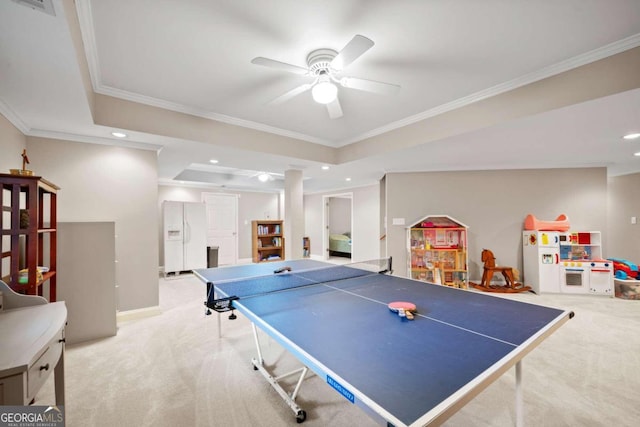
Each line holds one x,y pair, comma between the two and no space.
185,236
541,260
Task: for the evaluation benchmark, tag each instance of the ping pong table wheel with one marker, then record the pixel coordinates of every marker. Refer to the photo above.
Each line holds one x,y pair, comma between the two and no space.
301,416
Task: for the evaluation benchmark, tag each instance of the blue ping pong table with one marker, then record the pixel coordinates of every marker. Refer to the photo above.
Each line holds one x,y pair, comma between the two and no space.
402,372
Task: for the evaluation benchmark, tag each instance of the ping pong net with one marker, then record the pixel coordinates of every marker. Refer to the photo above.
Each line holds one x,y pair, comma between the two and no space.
286,279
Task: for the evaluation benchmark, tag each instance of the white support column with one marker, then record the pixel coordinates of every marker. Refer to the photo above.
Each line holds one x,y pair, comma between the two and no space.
293,214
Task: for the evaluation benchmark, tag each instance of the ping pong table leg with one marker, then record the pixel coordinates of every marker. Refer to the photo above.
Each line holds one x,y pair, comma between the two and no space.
255,339
290,399
519,400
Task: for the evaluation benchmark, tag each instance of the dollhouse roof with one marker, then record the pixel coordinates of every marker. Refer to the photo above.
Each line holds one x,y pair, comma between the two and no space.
437,221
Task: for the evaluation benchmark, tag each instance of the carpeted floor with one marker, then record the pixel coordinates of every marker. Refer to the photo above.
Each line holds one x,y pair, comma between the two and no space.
173,370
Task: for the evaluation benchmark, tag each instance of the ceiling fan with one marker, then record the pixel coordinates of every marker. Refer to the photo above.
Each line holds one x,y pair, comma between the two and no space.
325,66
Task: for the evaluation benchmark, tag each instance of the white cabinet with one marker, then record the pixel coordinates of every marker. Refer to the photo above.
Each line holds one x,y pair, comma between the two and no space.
566,262
185,236
601,279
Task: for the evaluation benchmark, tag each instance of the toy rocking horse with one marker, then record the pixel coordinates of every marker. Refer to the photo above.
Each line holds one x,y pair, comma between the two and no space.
507,272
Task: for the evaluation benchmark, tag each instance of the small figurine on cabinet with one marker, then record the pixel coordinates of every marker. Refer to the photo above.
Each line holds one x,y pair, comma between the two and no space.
24,171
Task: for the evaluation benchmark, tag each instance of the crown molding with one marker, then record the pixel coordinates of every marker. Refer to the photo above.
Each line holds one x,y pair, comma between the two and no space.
85,18
552,70
15,120
40,133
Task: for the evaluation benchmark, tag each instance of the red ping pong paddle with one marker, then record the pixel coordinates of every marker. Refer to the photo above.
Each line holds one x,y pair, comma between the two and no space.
403,308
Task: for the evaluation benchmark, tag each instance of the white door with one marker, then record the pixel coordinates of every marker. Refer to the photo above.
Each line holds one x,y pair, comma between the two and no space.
222,225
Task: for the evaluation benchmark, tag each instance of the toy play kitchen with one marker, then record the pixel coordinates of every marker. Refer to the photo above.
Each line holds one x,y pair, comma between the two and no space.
561,261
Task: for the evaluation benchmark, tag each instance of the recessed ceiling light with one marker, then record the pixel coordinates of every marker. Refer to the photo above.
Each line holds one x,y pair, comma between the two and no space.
632,136
325,168
263,177
637,154
348,179
214,161
119,134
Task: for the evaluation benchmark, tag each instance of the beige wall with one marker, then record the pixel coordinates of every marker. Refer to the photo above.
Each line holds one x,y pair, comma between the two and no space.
366,219
494,204
120,113
12,142
624,203
106,183
251,205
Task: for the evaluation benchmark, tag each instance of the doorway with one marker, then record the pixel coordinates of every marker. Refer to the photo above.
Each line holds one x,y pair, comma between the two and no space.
338,242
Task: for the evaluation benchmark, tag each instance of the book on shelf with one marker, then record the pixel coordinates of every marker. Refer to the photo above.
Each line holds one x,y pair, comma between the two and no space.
276,241
264,230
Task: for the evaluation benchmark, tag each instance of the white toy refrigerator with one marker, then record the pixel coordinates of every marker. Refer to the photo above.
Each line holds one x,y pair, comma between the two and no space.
541,260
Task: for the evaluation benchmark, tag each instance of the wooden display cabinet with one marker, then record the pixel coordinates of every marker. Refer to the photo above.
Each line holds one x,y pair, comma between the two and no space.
267,242
28,224
437,251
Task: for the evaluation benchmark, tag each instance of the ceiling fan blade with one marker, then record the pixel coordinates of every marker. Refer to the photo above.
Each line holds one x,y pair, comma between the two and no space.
370,85
352,51
291,94
272,63
334,109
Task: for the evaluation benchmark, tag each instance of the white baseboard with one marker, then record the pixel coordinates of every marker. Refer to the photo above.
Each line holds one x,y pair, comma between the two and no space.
140,313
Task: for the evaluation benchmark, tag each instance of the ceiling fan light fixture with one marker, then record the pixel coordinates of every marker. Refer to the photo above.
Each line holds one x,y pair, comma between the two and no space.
324,92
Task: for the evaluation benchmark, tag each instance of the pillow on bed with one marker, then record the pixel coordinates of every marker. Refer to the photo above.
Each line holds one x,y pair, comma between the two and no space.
339,237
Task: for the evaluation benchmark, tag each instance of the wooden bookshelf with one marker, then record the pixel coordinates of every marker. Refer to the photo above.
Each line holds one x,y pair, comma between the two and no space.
267,241
306,247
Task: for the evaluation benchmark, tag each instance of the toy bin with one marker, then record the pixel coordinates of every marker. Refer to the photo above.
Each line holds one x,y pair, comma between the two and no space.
627,289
